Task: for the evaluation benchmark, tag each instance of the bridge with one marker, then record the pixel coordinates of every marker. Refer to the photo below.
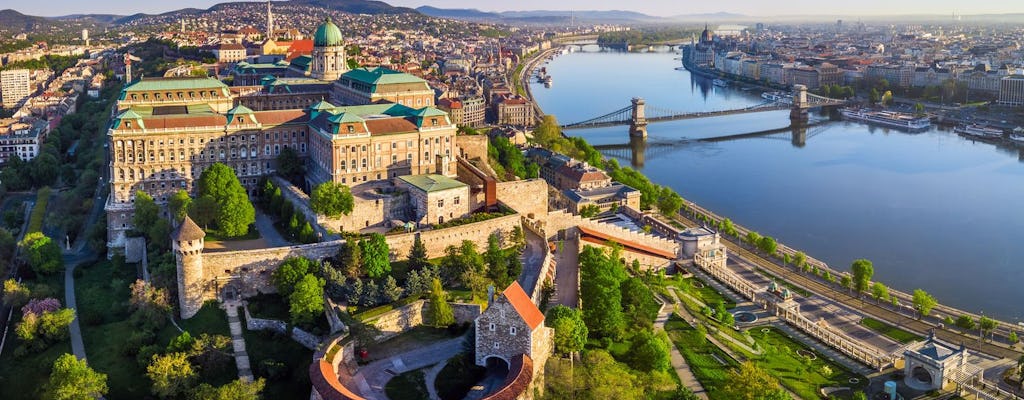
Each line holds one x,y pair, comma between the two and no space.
637,117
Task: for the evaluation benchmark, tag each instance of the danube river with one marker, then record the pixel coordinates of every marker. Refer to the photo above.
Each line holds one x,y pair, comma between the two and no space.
932,210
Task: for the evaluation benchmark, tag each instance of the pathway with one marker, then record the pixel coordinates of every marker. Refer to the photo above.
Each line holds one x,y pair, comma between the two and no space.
430,376
567,272
686,375
532,260
370,379
740,344
266,228
77,345
238,342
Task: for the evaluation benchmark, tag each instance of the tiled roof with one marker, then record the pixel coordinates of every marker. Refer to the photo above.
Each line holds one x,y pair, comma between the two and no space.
517,382
381,76
384,126
188,230
435,183
523,305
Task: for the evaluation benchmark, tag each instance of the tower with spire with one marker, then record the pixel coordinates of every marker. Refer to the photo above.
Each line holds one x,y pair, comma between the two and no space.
270,22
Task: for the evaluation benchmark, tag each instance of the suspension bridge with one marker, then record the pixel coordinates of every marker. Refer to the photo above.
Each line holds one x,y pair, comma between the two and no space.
638,114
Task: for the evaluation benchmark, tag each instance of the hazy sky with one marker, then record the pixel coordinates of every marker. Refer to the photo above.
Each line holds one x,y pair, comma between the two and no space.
653,7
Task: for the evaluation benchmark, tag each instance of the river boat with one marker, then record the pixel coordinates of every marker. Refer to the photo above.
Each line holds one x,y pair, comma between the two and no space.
981,131
719,83
887,118
780,97
547,81
1017,138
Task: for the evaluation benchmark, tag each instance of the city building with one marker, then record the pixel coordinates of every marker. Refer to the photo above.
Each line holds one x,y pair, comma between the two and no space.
377,84
513,110
229,52
703,53
22,139
1011,90
434,198
606,198
328,59
512,326
15,87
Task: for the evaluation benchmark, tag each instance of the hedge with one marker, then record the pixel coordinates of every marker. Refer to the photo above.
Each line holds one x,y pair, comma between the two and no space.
35,221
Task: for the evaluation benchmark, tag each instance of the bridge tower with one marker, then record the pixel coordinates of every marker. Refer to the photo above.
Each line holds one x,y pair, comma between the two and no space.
798,114
638,124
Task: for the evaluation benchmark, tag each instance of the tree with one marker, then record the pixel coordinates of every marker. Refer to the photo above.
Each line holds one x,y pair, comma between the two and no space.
203,210
767,244
965,322
181,343
570,331
15,294
41,253
350,257
518,239
887,98
307,300
418,255
845,281
497,264
590,211
923,302
172,374
72,379
289,165
862,270
179,204
1012,337
332,199
291,271
727,227
873,96
146,296
146,213
649,352
235,390
918,109
234,211
376,256
604,378
987,325
440,312
879,292
748,382
669,202
753,238
390,291
54,325
600,277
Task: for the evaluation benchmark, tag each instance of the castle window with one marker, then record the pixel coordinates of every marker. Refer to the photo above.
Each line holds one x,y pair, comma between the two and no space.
512,331
351,129
496,345
491,327
440,203
456,200
433,121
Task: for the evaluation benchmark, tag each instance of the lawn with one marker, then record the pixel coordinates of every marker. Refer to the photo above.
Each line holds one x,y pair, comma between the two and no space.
22,377
707,294
281,360
890,331
798,373
407,386
709,364
457,377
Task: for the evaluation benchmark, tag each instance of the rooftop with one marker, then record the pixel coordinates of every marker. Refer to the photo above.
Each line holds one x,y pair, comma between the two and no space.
381,76
523,305
161,84
432,183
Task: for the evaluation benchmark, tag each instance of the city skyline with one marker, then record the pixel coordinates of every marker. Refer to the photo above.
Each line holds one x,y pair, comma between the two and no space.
652,7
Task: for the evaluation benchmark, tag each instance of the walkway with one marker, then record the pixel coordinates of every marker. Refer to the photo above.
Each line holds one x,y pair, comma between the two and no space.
820,348
238,342
686,375
532,260
370,379
567,272
266,228
430,376
77,345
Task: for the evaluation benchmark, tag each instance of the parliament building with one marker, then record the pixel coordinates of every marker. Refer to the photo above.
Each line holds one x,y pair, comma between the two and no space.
350,126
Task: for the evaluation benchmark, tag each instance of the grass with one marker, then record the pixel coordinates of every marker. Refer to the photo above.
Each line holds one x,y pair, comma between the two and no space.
797,373
290,378
700,355
408,340
24,377
407,386
458,377
708,294
890,331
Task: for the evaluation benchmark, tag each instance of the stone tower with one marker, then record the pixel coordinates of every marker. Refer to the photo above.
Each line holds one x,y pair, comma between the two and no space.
329,58
187,243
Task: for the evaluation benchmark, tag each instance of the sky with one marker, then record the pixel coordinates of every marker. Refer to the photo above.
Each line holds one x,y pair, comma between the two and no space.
652,7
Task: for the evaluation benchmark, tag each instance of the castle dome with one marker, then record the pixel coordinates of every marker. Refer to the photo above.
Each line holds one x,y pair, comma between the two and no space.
705,36
327,34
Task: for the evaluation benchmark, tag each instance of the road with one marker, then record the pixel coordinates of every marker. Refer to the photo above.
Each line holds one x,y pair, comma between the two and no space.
533,257
867,308
567,272
371,378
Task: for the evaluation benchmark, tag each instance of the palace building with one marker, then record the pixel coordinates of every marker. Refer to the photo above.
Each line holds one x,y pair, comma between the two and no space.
166,131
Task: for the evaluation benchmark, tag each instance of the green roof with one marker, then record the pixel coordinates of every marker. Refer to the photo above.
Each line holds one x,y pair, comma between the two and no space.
321,105
327,34
381,76
432,182
344,117
156,84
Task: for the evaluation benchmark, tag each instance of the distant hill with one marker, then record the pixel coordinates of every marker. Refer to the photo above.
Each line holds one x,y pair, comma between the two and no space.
15,22
537,15
457,13
356,6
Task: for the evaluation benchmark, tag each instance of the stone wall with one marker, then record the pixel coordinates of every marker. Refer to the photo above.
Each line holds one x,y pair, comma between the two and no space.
412,315
494,335
526,196
437,240
559,220
472,146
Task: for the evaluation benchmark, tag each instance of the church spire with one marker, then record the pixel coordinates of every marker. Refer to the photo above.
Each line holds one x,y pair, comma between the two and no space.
270,22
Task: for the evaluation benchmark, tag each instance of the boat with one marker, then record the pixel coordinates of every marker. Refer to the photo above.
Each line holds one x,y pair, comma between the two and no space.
719,83
981,131
1017,138
547,81
779,97
887,118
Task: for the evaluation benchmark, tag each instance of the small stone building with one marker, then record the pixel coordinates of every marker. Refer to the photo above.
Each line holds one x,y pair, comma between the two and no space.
434,198
935,365
511,326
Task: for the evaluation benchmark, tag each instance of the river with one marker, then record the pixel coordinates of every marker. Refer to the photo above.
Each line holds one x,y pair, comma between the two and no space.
932,210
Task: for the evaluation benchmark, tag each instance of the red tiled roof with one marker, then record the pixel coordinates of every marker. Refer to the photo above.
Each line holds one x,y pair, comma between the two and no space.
231,46
517,382
523,305
326,383
276,117
384,126
184,121
299,48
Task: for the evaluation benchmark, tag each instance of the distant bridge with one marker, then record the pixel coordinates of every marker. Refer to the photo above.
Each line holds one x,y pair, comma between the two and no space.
636,116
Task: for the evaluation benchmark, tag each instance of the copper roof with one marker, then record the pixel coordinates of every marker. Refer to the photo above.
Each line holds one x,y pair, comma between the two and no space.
523,305
188,230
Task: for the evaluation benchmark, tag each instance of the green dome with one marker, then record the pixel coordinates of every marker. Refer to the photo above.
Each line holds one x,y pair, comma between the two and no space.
327,34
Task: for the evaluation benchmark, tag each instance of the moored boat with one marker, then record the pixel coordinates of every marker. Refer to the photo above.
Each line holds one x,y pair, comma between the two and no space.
887,118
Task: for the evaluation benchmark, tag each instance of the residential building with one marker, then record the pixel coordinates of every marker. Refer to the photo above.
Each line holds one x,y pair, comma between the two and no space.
20,138
513,110
229,52
15,87
1011,90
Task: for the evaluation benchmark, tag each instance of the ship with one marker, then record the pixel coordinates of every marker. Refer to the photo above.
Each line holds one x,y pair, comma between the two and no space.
720,83
547,81
778,97
887,118
980,131
1017,138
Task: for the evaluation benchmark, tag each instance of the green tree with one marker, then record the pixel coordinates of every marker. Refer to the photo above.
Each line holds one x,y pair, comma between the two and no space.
638,303
669,202
181,343
965,322
234,211
987,325
146,213
753,238
846,281
600,277
289,165
179,204
350,257
72,379
291,271
331,199
923,302
590,211
863,270
307,300
800,259
41,253
887,98
1012,338
497,264
727,227
649,352
570,331
918,109
235,390
418,255
440,312
203,211
15,294
748,382
604,378
54,325
873,96
376,256
767,244
171,374
879,292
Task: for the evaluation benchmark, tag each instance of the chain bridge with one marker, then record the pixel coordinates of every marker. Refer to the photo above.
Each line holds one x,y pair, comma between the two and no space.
638,114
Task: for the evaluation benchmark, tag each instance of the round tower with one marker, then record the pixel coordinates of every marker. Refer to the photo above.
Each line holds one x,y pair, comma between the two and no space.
328,58
187,242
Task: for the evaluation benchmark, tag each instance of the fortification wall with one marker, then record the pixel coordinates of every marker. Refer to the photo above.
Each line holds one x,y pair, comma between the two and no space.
368,209
401,319
558,220
472,146
437,240
526,196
